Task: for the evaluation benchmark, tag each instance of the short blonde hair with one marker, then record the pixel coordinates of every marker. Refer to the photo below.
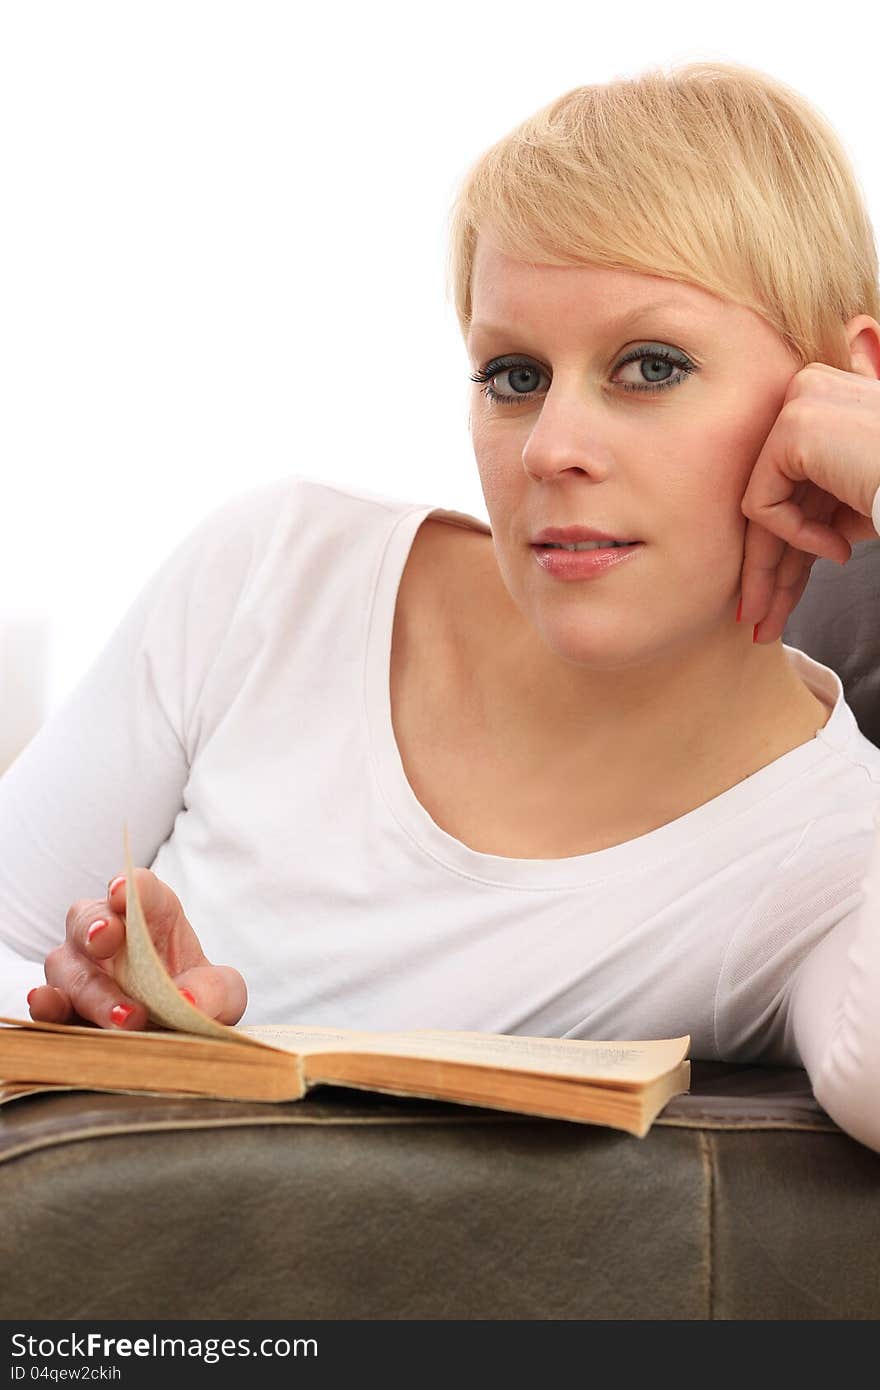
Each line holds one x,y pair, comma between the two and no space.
712,173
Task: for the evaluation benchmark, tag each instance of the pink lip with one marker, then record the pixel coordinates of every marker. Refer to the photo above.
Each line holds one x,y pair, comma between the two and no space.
583,564
570,535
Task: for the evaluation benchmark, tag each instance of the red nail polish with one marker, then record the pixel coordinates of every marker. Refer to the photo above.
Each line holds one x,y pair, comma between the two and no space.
120,1012
739,608
32,993
115,884
189,997
755,632
95,928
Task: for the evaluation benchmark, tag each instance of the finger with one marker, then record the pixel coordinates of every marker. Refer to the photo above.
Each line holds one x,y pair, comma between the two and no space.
824,509
49,1005
762,552
792,523
791,510
792,577
817,506
94,994
91,927
792,566
823,541
103,934
786,574
156,898
218,990
162,911
784,601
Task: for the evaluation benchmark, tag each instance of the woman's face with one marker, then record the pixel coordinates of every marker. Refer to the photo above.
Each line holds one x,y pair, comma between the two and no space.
666,464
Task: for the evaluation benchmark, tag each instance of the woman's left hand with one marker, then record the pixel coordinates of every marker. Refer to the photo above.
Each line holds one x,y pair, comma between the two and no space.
810,491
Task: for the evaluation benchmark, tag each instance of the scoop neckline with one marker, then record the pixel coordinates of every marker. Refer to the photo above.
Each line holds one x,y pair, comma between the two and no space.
643,852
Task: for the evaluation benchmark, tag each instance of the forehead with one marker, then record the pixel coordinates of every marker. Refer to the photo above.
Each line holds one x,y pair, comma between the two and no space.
505,291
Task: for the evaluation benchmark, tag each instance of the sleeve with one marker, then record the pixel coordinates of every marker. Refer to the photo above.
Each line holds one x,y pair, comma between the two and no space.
120,747
834,1014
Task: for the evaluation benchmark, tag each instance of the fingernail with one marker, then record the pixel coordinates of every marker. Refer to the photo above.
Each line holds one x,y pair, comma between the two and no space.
186,994
115,884
755,632
32,993
739,608
95,928
120,1012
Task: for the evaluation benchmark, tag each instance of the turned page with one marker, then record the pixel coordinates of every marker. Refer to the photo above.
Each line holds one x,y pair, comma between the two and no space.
143,976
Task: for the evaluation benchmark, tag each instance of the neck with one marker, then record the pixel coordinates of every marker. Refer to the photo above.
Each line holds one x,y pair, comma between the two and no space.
702,716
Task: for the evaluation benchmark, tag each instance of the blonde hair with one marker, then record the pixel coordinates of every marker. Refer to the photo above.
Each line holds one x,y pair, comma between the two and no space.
712,173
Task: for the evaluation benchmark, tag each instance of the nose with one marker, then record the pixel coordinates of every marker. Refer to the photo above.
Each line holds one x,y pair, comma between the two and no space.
567,435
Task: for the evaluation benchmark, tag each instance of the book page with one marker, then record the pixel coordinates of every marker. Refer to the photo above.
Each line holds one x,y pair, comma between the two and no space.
621,1062
143,976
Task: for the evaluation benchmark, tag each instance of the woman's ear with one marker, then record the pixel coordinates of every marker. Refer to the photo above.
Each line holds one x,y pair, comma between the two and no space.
864,345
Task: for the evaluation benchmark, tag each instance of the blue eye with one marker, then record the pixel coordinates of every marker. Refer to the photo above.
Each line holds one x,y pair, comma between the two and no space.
655,356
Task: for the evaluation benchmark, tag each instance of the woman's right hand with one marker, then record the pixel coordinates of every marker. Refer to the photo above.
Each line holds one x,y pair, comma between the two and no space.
80,983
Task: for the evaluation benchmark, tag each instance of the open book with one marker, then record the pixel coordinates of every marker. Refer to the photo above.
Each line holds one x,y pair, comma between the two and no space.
623,1085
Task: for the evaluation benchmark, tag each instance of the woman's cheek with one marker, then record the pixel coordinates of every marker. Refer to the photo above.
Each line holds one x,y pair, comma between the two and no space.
499,477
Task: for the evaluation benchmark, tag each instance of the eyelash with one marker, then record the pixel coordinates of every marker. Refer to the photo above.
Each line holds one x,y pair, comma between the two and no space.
496,367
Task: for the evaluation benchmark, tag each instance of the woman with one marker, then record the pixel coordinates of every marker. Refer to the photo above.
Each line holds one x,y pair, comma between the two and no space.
405,771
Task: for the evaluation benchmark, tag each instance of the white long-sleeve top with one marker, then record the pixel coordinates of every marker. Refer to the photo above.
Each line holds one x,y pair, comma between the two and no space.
239,719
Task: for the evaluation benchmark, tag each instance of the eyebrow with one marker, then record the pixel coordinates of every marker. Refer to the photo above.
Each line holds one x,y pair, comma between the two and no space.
622,322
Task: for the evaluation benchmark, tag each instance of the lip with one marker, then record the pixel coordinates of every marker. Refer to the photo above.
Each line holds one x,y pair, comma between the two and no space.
570,535
583,564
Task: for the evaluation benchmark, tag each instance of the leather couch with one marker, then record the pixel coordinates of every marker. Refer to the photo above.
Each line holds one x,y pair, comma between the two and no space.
744,1200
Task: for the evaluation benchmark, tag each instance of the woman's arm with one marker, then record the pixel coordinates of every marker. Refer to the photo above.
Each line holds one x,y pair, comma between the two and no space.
834,1015
111,753
120,747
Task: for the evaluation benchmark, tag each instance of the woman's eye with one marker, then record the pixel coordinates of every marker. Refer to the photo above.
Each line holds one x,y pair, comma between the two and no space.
521,378
653,369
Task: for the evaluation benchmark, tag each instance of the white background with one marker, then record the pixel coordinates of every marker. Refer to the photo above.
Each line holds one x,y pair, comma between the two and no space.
223,254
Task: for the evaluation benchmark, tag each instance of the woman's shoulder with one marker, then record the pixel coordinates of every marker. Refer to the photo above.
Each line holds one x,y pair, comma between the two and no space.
298,494
450,570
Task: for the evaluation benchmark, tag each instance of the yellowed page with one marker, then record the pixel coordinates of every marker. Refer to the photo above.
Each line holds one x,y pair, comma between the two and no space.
143,976
621,1062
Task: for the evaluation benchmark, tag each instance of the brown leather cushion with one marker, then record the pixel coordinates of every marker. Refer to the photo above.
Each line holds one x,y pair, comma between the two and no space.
744,1201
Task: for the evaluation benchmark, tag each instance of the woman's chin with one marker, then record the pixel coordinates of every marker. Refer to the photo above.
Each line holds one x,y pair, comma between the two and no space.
597,645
